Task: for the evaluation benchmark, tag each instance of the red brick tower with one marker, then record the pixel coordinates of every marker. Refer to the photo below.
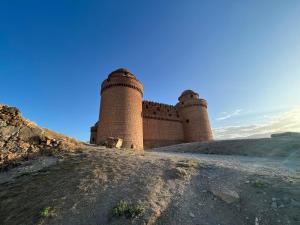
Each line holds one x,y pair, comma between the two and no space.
193,111
121,109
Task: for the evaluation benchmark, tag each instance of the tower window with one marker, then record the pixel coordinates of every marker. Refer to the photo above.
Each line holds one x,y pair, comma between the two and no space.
147,107
191,96
182,103
154,113
158,109
187,121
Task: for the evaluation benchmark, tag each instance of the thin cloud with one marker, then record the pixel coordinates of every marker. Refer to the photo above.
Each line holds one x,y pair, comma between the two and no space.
230,115
287,121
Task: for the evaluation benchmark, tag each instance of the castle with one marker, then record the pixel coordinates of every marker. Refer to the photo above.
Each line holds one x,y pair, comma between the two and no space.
145,124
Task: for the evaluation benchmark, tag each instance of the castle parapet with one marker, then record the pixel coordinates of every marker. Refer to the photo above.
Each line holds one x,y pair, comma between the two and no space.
160,111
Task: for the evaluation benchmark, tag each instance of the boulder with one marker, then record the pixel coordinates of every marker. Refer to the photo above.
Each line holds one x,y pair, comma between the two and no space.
29,133
7,132
112,142
224,193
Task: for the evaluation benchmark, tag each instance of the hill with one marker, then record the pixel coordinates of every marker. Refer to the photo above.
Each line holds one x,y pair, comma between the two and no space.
22,139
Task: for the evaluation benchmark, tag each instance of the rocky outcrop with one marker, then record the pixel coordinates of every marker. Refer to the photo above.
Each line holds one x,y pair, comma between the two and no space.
112,142
21,138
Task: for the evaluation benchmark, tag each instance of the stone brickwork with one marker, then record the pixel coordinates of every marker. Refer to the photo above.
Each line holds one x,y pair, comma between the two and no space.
121,109
161,125
145,124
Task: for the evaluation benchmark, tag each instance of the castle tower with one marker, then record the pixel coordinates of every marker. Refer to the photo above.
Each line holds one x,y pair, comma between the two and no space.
121,109
193,111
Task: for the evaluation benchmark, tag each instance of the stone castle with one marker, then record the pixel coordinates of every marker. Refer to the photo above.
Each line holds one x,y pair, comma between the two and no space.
145,124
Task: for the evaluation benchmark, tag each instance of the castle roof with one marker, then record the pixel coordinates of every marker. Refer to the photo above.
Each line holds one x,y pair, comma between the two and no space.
122,72
188,92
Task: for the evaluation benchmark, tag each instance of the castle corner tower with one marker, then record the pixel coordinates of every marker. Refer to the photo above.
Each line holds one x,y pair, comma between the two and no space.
121,109
195,121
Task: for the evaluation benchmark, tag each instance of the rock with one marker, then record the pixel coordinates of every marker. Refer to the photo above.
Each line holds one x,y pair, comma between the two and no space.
2,123
112,142
274,205
191,214
48,142
224,193
7,132
29,133
2,143
177,173
295,203
256,222
24,145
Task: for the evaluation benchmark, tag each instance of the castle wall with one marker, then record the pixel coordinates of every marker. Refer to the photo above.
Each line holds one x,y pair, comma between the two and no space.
161,125
93,136
145,124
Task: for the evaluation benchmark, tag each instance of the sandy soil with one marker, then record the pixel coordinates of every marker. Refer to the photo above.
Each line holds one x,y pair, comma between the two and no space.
83,187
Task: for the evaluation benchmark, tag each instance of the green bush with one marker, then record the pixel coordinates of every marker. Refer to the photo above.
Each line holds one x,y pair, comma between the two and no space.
259,184
130,211
46,212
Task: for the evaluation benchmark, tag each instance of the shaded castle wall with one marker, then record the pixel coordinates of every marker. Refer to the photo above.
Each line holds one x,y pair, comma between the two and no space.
93,136
121,110
161,125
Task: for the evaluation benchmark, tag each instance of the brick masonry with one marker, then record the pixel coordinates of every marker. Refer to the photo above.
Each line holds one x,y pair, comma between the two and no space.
145,124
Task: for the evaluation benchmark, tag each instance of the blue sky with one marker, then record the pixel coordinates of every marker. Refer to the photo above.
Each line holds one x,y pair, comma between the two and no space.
242,56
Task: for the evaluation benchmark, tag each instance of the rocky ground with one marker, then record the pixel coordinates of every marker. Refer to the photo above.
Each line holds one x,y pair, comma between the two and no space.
84,188
22,139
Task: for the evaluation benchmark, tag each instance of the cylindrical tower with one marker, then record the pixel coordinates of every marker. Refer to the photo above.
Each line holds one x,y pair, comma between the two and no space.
193,111
121,109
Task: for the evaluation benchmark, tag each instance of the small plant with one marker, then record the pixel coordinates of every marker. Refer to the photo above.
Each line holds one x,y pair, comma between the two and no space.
130,211
46,212
259,184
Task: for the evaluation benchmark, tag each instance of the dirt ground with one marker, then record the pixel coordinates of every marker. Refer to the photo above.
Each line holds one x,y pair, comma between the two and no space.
84,187
286,147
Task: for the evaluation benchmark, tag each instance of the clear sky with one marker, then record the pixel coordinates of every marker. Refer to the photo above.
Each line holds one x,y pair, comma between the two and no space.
242,56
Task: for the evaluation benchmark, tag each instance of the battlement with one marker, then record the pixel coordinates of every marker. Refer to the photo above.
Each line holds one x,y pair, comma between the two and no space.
160,111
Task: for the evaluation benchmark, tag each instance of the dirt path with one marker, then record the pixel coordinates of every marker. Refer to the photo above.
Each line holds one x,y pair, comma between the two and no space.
269,166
